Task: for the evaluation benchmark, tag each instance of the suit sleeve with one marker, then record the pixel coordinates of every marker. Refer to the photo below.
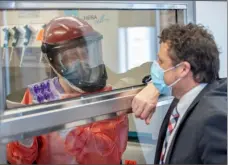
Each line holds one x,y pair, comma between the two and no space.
99,143
213,143
19,152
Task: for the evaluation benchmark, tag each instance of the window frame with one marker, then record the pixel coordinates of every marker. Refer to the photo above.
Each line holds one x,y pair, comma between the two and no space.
10,120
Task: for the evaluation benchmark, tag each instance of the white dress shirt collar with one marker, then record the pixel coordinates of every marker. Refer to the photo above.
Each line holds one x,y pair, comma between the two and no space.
188,98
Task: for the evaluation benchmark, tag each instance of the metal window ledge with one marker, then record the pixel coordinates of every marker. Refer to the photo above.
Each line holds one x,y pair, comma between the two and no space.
39,119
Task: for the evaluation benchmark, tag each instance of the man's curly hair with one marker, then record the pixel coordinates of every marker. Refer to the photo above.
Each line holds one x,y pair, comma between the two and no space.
196,45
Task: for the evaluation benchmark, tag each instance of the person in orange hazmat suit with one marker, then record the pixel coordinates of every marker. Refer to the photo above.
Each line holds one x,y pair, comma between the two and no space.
74,51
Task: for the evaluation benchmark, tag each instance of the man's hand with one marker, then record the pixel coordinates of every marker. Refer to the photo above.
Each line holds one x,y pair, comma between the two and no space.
144,103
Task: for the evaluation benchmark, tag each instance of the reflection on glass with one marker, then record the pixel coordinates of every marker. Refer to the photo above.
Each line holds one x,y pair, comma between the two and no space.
98,143
116,54
73,50
137,46
128,46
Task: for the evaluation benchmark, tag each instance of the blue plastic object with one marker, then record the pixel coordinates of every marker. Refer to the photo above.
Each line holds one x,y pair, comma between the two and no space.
28,33
6,37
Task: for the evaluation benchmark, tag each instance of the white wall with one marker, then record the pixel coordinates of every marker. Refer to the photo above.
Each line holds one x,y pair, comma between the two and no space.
213,15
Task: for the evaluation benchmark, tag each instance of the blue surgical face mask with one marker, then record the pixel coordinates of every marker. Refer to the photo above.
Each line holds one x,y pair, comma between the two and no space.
157,75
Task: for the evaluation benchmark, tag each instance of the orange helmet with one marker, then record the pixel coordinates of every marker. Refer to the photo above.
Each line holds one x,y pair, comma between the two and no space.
74,50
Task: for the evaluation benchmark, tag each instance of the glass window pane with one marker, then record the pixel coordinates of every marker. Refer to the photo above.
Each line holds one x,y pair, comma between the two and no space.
101,142
128,47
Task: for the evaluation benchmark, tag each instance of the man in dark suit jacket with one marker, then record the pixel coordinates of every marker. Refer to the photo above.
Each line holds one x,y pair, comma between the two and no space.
194,130
202,136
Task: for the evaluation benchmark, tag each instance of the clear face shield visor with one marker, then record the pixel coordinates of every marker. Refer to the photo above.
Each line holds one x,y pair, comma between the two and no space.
87,55
80,64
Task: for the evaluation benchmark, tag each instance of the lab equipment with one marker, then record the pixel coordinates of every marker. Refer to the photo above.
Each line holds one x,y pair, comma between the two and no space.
16,35
28,34
7,36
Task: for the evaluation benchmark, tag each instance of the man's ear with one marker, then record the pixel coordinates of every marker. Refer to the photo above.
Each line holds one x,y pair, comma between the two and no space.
185,68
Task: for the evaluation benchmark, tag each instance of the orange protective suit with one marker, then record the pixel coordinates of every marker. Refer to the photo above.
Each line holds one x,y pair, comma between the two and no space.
101,142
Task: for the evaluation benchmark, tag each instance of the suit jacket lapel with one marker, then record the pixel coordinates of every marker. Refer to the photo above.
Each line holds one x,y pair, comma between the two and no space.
188,112
162,132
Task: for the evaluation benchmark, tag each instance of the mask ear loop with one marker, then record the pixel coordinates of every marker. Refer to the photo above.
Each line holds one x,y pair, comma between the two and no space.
174,82
178,78
172,67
